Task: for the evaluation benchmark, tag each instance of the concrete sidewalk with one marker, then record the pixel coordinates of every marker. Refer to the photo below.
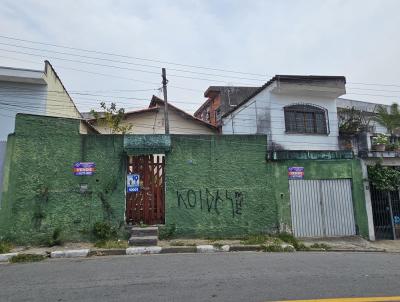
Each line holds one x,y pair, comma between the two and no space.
355,243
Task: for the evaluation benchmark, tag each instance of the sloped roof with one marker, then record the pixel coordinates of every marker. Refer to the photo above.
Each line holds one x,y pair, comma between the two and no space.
287,79
157,101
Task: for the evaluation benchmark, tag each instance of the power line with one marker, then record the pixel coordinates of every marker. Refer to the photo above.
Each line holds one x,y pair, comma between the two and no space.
105,74
131,57
117,67
127,62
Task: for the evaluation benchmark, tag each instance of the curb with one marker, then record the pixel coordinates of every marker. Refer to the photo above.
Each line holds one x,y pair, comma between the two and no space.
143,250
107,252
6,257
70,253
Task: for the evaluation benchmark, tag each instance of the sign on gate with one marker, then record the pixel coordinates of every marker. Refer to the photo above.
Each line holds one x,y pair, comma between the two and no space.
84,168
296,172
133,183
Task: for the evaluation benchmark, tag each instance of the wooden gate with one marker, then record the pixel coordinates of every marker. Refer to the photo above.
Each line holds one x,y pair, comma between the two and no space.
147,205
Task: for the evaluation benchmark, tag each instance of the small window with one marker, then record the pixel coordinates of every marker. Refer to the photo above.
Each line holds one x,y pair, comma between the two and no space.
218,114
308,119
208,115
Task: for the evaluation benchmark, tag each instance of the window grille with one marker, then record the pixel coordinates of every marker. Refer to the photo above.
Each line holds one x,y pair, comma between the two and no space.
304,118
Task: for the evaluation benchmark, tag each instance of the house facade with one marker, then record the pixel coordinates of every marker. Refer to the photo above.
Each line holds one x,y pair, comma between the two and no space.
295,112
319,183
383,206
151,121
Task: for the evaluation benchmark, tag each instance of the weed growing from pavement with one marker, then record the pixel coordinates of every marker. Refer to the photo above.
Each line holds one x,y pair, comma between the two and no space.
322,246
5,247
23,258
217,245
255,239
111,244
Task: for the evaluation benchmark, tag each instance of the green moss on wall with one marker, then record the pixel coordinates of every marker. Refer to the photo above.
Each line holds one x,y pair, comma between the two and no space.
43,192
216,186
219,186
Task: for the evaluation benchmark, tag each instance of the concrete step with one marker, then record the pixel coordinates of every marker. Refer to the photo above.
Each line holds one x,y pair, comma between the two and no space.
147,231
143,240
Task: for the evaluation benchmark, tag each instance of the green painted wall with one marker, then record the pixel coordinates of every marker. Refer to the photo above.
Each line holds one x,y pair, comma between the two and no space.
218,186
320,169
229,164
43,194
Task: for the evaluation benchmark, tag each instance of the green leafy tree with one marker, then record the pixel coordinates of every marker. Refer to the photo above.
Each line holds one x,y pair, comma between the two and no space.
111,117
353,121
390,119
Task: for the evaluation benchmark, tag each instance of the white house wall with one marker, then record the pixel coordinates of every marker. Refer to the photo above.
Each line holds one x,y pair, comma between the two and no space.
303,141
264,114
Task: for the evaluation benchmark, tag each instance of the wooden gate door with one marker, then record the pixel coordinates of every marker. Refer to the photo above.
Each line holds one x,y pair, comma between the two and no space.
147,205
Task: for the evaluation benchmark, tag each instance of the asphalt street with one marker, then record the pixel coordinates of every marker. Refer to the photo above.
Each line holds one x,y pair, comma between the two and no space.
241,276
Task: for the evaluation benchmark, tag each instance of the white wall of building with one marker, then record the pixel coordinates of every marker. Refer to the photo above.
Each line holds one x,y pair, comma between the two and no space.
264,114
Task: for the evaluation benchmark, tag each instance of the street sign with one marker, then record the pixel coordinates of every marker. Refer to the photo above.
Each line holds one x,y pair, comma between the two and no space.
84,168
296,172
133,183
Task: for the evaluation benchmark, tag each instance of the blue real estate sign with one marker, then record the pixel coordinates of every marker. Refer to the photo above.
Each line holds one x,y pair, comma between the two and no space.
296,172
84,168
132,183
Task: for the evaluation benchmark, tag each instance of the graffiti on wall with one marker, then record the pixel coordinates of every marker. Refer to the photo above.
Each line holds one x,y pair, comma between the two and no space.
211,201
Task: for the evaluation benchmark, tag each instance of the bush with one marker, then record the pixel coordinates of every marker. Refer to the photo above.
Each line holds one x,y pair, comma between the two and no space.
277,248
167,232
289,238
55,238
104,231
5,247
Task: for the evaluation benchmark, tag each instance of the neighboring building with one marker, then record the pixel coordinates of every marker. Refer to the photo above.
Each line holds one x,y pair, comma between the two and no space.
383,211
151,121
221,99
32,91
320,184
295,112
38,92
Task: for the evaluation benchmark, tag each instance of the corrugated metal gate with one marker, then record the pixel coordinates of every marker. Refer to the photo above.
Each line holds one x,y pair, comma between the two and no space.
322,208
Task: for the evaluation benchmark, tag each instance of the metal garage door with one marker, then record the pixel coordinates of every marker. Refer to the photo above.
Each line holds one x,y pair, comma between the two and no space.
322,208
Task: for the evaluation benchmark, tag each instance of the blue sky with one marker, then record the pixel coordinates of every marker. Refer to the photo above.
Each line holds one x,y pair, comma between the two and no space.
357,39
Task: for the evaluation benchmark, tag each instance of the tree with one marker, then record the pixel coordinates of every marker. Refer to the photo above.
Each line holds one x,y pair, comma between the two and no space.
111,117
389,119
353,121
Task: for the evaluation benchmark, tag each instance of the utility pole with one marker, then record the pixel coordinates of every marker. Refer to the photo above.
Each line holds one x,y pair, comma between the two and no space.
164,82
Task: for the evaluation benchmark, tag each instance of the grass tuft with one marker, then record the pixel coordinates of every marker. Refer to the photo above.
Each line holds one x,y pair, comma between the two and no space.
177,243
320,246
111,244
5,247
24,258
255,239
